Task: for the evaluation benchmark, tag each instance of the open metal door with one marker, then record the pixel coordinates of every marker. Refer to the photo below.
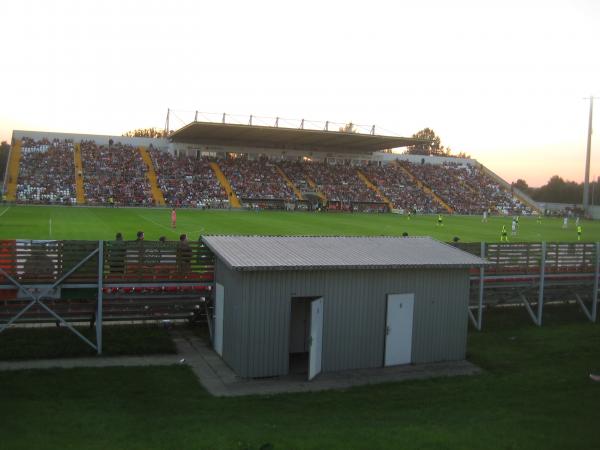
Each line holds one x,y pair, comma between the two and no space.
316,338
219,303
399,328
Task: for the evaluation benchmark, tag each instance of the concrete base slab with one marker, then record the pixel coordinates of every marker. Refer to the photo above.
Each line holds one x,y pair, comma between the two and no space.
219,380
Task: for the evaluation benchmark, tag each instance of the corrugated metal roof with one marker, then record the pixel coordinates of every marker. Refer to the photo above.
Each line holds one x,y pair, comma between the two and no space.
328,252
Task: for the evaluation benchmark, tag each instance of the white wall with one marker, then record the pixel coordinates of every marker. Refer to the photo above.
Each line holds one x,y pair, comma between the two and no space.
98,138
388,157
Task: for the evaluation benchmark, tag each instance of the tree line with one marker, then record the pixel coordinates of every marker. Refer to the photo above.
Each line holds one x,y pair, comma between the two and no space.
557,190
147,133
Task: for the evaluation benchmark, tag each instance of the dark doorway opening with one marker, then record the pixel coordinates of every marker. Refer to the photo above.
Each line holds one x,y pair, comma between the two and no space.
299,343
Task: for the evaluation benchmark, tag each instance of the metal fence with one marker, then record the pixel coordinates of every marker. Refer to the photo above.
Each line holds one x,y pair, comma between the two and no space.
95,281
532,273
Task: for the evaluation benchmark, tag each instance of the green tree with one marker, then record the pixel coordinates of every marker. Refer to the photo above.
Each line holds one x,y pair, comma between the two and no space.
146,132
522,185
4,152
431,145
348,128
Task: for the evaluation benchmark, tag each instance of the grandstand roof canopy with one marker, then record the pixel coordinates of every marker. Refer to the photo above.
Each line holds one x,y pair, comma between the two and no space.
287,138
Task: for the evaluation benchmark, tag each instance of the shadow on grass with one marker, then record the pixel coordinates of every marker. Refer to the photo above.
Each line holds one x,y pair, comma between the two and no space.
53,342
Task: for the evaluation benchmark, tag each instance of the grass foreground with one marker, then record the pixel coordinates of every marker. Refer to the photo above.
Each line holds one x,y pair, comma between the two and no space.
53,342
534,393
47,222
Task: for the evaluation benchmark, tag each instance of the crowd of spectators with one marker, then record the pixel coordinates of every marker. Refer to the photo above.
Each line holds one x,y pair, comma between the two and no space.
401,190
466,189
256,179
186,181
115,175
339,183
46,172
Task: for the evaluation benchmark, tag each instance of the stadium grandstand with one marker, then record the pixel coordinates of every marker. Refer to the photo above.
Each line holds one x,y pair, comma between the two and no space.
227,164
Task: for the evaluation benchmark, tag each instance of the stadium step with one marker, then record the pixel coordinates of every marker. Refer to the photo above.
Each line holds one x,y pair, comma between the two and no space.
157,194
374,188
313,185
79,190
234,201
289,182
425,188
13,171
518,195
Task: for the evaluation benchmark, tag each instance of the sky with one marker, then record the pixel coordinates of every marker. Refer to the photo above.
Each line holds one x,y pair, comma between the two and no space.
503,81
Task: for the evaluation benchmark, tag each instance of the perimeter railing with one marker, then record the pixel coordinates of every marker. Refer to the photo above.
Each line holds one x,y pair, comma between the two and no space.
95,281
534,273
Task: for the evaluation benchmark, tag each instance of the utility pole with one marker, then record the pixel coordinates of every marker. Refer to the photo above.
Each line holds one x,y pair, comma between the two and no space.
586,183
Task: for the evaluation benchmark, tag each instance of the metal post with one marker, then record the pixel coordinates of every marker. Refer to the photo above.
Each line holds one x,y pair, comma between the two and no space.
302,125
596,276
373,129
327,125
99,305
224,117
196,116
540,308
586,182
250,121
167,122
276,122
481,281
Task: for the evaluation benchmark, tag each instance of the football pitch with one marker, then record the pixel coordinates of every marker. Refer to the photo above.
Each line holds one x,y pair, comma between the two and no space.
88,223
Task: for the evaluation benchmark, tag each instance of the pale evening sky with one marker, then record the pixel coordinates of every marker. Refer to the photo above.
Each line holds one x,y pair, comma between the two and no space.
501,80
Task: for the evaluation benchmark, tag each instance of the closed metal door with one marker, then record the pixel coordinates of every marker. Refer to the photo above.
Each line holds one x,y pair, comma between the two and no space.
399,327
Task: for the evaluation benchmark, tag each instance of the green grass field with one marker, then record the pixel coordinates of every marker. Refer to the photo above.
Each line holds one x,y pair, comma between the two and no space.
40,222
534,393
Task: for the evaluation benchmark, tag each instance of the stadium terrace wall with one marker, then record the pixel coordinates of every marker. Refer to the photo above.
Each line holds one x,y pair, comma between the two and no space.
222,150
561,207
417,159
257,314
100,139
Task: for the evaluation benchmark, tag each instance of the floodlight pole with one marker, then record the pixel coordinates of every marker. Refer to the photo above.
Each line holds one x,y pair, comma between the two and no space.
586,183
167,122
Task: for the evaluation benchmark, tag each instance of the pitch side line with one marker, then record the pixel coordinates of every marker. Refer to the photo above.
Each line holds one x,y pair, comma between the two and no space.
6,209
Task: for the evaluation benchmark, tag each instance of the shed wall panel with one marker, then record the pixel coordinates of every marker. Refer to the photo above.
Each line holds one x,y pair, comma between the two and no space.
234,341
354,316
